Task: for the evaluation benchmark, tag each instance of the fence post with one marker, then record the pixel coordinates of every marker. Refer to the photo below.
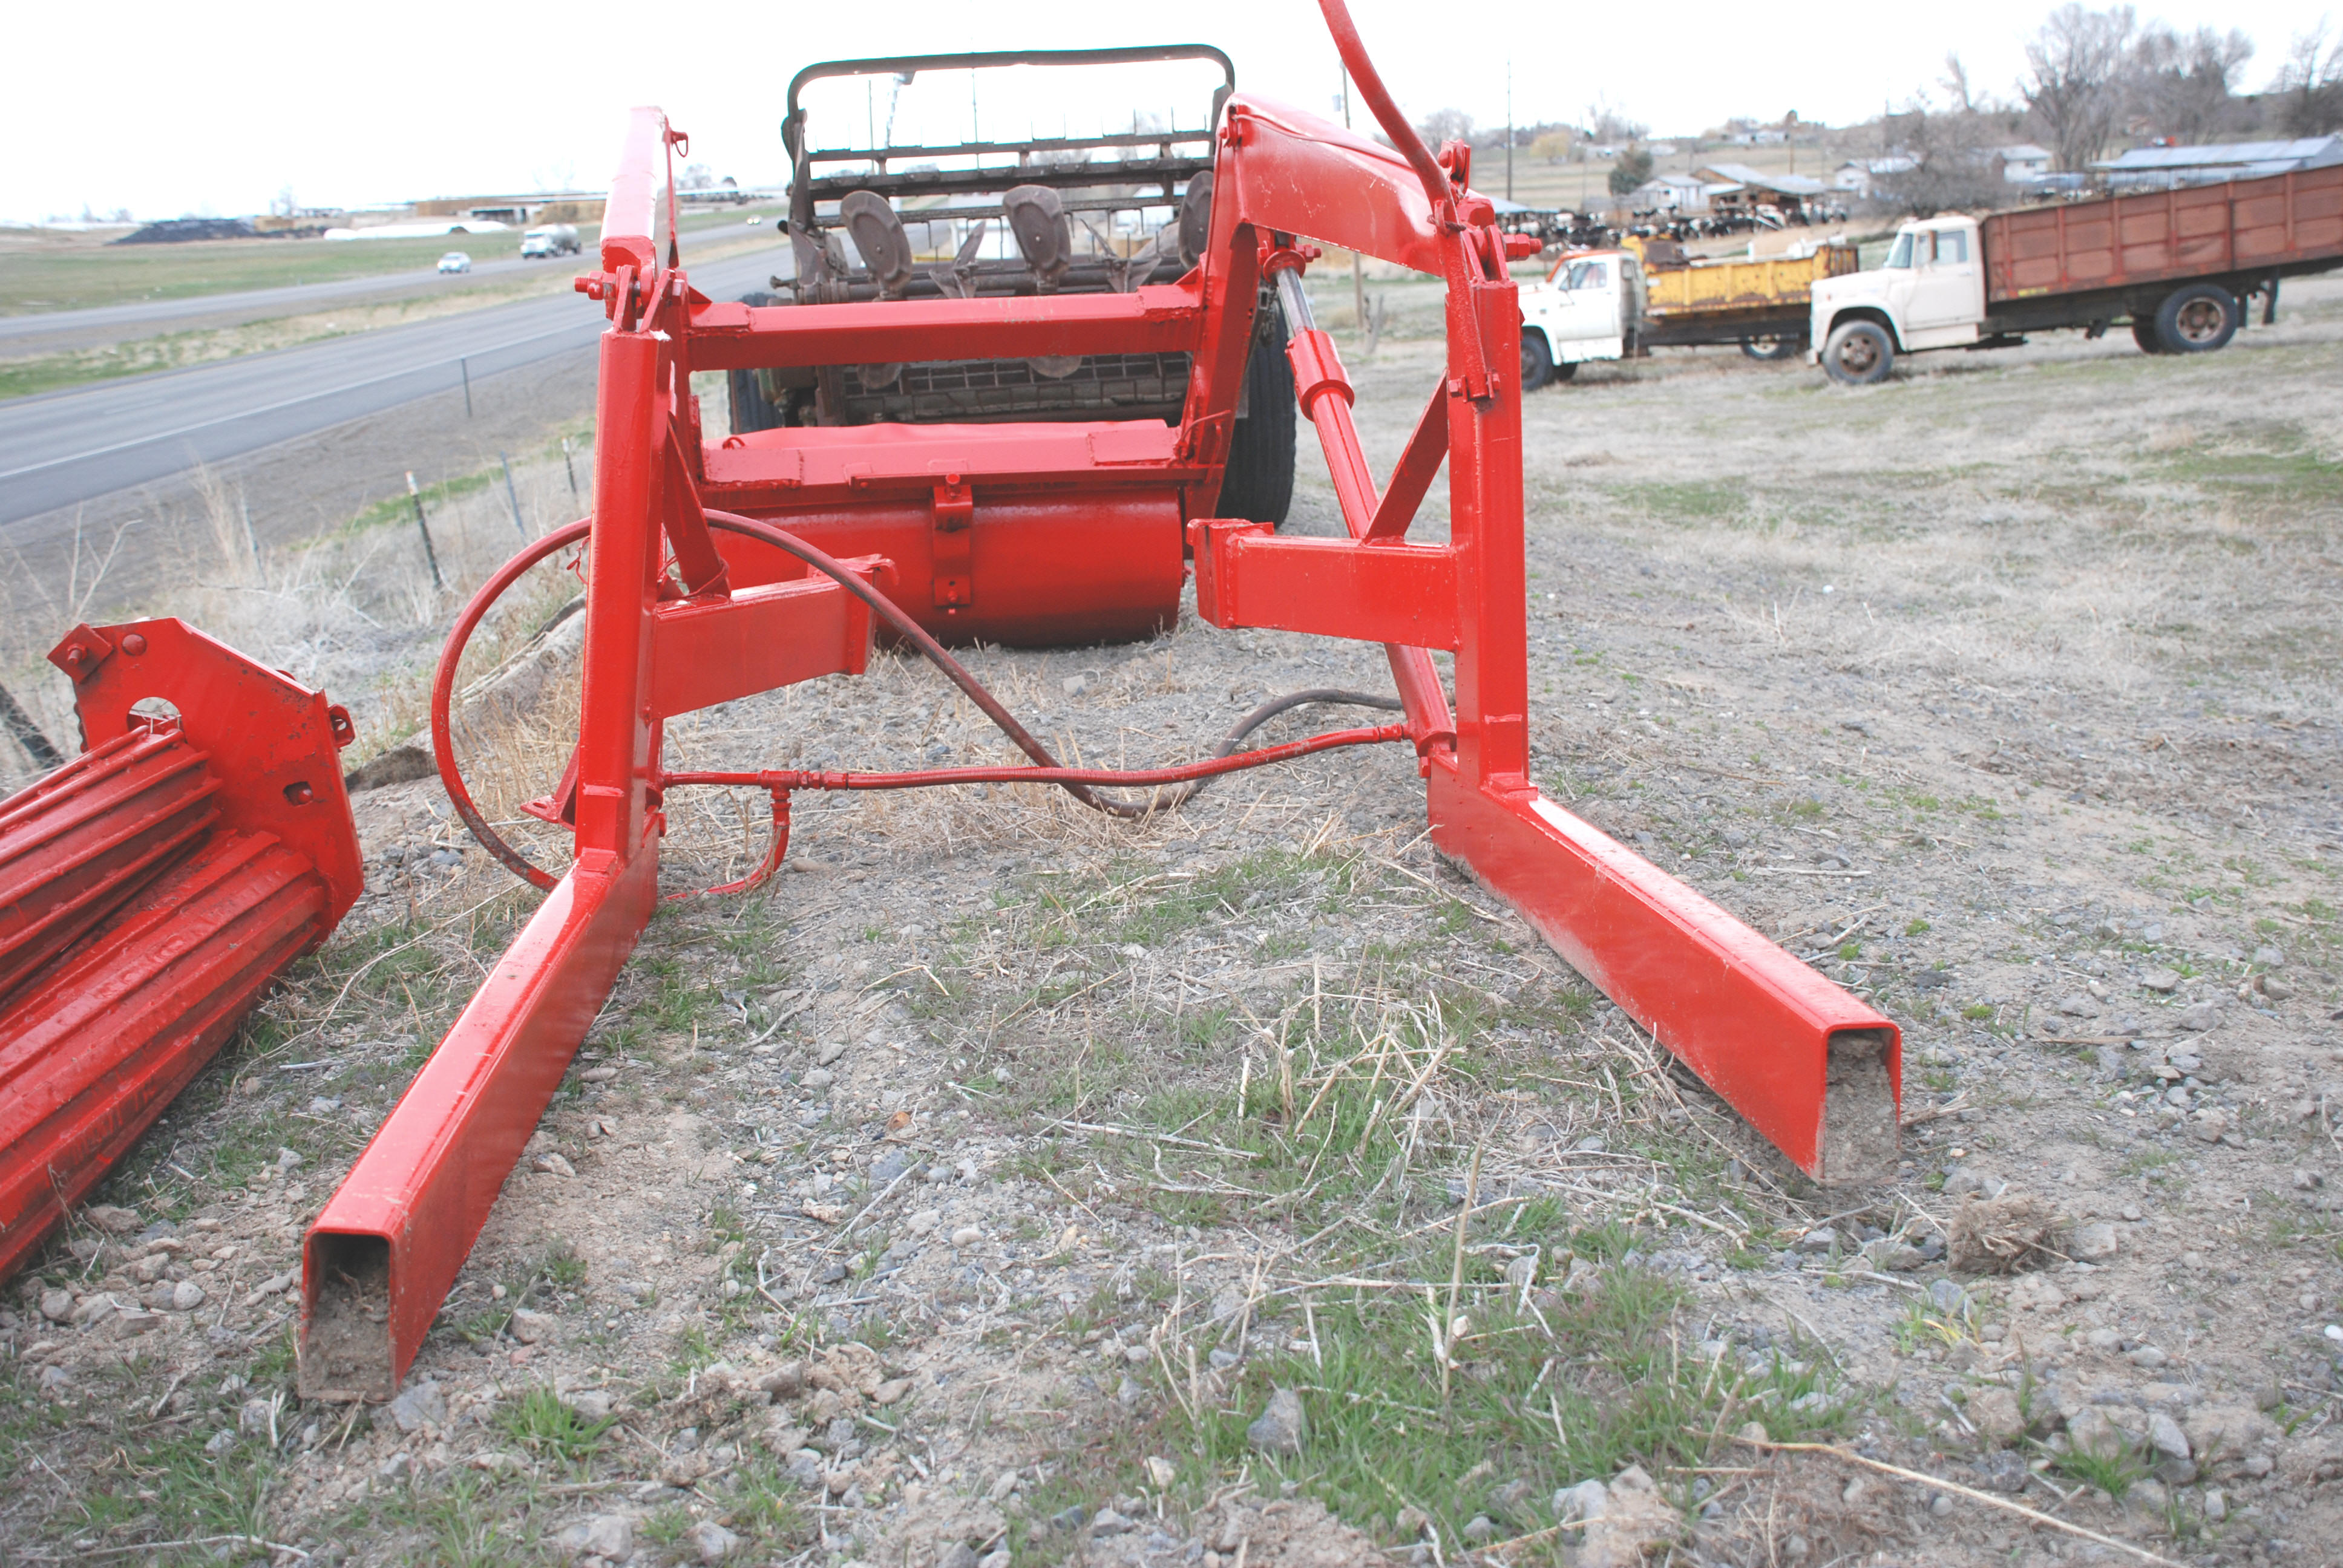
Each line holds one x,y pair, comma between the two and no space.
511,495
424,528
569,467
466,366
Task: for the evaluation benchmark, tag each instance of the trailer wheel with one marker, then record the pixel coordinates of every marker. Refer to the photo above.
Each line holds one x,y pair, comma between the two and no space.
2143,332
1858,354
2198,319
1780,346
1537,361
1258,483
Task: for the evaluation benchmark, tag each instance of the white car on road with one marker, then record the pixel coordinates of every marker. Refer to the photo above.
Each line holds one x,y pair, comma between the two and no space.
455,261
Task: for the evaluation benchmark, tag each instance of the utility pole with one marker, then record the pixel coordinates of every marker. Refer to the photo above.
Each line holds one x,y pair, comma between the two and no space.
1509,128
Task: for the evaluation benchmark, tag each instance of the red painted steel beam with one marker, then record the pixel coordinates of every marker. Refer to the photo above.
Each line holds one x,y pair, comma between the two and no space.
1815,1069
1246,575
1756,1025
1159,318
711,651
384,1250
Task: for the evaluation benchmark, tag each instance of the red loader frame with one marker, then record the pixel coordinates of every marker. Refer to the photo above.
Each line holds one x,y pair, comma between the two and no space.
1057,532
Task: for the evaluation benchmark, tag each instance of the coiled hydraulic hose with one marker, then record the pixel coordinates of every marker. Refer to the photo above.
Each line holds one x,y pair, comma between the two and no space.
1190,778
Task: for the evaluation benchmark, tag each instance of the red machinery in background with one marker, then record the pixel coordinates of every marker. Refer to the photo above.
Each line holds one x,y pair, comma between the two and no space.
717,572
150,892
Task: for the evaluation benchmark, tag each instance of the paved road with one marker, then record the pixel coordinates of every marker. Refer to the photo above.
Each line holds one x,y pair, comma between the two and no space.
61,448
53,331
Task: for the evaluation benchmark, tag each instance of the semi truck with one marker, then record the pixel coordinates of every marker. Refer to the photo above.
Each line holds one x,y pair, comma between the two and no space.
1615,304
2178,267
552,240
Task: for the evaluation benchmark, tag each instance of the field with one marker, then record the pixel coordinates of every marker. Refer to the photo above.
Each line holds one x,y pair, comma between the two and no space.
970,1195
56,269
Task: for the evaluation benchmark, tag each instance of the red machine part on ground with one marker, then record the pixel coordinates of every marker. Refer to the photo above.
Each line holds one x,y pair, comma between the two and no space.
150,892
1055,533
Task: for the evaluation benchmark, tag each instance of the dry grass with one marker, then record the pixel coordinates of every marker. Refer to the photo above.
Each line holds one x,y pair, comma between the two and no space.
354,612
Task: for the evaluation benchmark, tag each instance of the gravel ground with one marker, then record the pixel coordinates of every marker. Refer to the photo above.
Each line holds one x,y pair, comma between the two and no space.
1246,1186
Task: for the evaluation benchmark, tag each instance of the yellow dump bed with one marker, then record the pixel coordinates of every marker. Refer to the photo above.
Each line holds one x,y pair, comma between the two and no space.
1769,283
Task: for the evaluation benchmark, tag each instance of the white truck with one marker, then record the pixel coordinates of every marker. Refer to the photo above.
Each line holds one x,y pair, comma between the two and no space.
1618,304
1589,308
548,240
2179,266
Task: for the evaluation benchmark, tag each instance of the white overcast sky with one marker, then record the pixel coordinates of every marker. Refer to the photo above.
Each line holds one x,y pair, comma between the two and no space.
175,108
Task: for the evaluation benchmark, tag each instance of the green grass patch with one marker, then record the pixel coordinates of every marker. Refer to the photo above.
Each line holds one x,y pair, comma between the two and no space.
1535,1400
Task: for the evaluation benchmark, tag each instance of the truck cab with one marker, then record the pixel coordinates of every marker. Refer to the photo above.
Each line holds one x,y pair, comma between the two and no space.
1929,293
1588,307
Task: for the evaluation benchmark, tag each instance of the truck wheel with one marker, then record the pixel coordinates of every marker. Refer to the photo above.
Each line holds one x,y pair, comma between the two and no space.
1537,361
2198,319
1858,354
1777,346
2143,332
1258,483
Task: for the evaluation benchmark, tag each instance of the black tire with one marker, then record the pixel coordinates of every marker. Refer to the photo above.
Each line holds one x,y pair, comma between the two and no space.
2143,332
2198,319
752,409
1772,347
1859,354
1565,370
1537,360
1258,484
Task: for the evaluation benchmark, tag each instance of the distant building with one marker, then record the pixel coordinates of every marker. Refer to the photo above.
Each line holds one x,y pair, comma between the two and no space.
2168,168
1679,194
517,211
1738,187
2022,163
1862,176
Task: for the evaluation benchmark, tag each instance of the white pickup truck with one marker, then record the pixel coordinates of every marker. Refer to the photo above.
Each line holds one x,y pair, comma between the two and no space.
1589,308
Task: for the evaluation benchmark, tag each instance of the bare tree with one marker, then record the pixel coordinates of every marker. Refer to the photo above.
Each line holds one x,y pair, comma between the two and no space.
2307,96
2183,85
2075,67
1952,166
1606,121
1956,84
1444,125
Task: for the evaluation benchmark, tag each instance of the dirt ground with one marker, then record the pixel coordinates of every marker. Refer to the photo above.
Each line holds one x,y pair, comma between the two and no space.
1008,1185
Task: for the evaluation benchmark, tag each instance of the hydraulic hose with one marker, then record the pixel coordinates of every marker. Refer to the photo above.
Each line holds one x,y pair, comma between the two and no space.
1190,778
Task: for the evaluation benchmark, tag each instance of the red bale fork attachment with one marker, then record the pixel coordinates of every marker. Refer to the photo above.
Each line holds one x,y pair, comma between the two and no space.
722,567
151,890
